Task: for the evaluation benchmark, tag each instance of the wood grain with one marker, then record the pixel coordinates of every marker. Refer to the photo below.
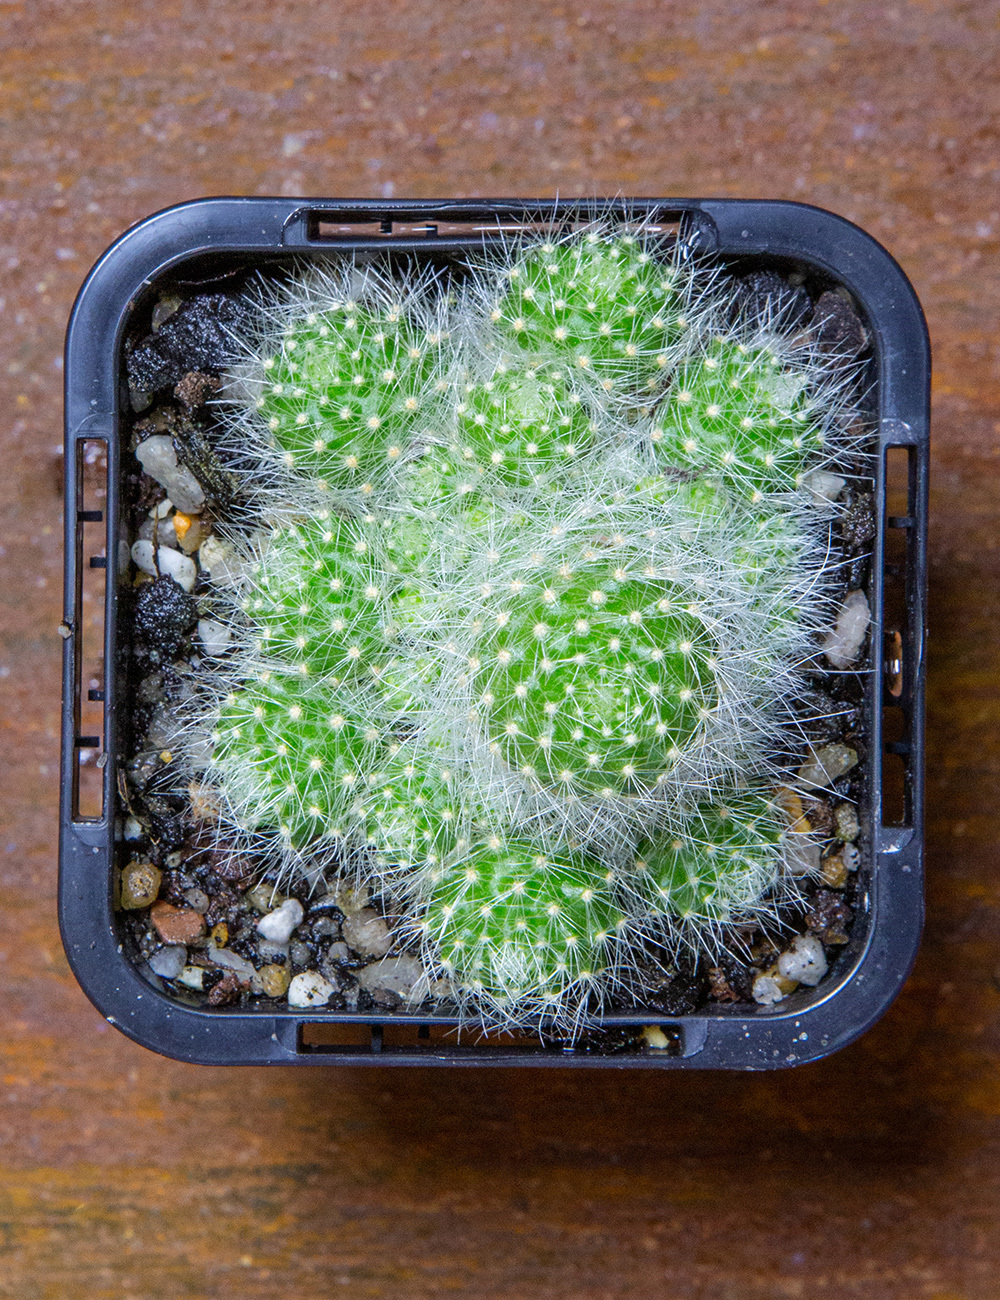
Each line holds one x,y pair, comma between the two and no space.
874,1174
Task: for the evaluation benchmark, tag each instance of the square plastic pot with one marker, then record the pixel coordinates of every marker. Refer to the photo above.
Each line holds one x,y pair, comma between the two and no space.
209,240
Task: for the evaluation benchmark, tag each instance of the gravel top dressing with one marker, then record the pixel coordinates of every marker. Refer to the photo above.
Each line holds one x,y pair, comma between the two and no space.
495,639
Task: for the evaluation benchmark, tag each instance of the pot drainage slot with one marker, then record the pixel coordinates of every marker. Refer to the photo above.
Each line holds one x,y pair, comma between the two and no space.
471,225
89,754
331,1038
900,633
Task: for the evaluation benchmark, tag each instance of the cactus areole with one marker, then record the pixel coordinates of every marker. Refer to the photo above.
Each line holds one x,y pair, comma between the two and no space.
529,579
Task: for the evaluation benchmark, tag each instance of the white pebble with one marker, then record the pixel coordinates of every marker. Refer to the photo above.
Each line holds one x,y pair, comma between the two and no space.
824,486
192,976
842,644
801,855
219,560
279,924
133,828
158,458
826,765
166,561
175,565
168,962
367,933
394,974
310,989
214,636
805,961
767,991
850,857
232,961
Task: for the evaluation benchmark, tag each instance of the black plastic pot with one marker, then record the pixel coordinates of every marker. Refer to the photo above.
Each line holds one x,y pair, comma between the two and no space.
205,242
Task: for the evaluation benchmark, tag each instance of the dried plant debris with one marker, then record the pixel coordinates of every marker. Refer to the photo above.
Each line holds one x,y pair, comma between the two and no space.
497,636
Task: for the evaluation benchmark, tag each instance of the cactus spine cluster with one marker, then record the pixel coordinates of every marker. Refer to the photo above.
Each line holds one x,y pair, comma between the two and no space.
526,628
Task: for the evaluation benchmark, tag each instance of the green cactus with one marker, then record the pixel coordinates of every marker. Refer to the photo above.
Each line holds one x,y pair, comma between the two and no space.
344,385
715,868
740,416
518,930
292,762
603,303
514,672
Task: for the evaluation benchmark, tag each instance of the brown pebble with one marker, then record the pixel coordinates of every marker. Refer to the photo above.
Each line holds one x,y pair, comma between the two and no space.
195,388
719,987
176,924
227,990
140,885
204,801
275,980
833,872
220,934
820,816
829,917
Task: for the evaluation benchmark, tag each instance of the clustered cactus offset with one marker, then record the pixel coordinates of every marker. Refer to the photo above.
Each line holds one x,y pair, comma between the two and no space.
521,644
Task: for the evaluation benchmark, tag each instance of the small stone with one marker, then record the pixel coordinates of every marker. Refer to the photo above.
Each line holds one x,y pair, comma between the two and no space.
768,297
219,560
767,990
204,802
325,926
299,953
800,854
394,974
214,636
193,977
829,917
823,486
804,962
367,934
168,962
842,644
158,458
176,565
227,990
189,531
274,980
790,803
140,885
264,897
837,325
826,765
132,829
833,872
164,614
197,899
846,820
160,532
220,933
279,924
653,1037
857,523
350,900
310,989
819,814
176,924
231,961
338,951
195,388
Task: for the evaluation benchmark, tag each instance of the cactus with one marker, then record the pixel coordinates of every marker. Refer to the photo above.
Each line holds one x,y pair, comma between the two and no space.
521,932
716,868
523,641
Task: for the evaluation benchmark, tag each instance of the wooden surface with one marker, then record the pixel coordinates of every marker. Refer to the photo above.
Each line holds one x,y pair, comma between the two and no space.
874,1174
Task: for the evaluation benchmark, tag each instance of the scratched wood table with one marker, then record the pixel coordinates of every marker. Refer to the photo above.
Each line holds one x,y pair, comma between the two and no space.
873,1174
